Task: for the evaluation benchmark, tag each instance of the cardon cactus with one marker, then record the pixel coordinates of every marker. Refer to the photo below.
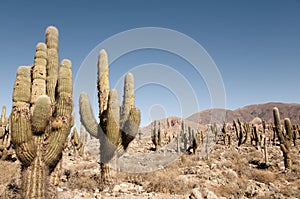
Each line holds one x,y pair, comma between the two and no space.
5,137
156,135
41,116
77,143
242,131
118,126
285,139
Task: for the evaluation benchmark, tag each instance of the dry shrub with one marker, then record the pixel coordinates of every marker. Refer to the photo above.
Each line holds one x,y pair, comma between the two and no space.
81,181
227,190
10,180
292,190
240,166
166,182
254,155
231,189
263,176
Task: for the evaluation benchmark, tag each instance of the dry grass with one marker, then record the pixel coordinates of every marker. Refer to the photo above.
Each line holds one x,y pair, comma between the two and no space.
169,180
262,176
82,181
9,180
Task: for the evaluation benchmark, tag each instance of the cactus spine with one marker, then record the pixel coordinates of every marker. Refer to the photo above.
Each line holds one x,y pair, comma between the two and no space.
41,116
284,140
115,130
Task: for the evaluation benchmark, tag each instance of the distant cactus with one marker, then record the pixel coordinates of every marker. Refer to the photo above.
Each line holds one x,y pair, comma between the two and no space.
183,135
194,141
83,135
179,141
116,130
5,136
156,135
266,157
242,131
41,116
77,143
159,133
256,137
190,136
284,139
224,134
214,130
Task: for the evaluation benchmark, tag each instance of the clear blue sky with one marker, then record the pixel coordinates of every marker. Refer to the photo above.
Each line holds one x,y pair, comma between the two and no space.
255,45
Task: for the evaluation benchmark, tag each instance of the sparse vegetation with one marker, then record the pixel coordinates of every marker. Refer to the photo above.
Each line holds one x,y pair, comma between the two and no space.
242,159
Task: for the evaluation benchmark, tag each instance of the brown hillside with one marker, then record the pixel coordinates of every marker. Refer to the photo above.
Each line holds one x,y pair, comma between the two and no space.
248,113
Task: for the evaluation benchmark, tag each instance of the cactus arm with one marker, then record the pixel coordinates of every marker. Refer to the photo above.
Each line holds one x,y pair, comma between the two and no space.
288,127
128,98
64,108
39,73
53,61
277,119
130,130
103,82
21,128
41,114
86,115
109,143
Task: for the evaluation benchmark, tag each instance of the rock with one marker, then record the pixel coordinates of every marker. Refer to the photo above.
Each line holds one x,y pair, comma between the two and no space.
116,188
231,175
210,195
213,166
196,194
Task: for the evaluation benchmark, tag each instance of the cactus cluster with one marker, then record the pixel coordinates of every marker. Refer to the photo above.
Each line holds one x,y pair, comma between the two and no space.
118,126
187,136
256,137
41,115
225,135
242,131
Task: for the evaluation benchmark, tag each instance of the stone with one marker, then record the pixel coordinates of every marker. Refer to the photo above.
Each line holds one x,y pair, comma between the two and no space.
196,194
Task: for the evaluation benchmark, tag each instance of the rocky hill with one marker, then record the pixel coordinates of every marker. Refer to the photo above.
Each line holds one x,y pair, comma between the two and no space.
248,113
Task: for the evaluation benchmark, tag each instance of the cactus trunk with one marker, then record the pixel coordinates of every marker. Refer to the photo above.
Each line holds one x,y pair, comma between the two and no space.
34,177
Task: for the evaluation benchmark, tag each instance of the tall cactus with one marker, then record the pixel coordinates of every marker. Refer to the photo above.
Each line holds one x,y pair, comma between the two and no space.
116,128
284,139
41,116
